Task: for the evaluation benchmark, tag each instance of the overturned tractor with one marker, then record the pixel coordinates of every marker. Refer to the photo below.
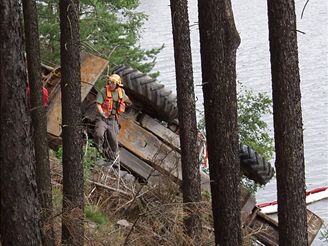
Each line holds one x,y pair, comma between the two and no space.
148,139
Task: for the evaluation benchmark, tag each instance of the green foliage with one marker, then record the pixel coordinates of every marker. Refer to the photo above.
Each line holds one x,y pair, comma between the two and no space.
48,16
92,213
253,131
110,29
249,185
59,152
91,155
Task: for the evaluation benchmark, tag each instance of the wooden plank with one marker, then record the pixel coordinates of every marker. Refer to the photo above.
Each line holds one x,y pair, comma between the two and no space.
161,131
139,167
247,204
267,231
264,228
91,68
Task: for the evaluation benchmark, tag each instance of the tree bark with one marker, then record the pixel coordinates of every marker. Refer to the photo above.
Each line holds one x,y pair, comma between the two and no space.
72,226
288,131
19,202
218,44
191,185
39,121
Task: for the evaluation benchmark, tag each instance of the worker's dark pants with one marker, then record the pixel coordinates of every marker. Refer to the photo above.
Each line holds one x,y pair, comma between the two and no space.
106,131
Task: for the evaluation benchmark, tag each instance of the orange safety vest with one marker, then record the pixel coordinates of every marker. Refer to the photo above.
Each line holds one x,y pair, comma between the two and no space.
107,105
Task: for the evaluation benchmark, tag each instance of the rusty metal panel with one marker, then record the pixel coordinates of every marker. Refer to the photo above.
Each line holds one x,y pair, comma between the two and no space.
149,148
91,68
163,157
161,131
314,225
54,119
172,140
52,83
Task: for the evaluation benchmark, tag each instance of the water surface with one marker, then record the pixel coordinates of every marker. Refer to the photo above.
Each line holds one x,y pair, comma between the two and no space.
253,70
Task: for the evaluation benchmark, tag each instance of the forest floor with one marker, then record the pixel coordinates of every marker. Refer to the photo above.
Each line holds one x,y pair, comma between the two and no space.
120,210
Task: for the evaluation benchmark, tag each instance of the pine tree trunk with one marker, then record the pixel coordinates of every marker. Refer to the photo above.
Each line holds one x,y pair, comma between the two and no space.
219,41
19,202
72,228
39,121
288,129
191,186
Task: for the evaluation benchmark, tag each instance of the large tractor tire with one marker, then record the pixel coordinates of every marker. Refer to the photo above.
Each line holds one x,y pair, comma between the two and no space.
254,166
156,100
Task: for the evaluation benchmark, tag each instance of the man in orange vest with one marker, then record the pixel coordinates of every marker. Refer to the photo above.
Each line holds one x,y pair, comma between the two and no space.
110,104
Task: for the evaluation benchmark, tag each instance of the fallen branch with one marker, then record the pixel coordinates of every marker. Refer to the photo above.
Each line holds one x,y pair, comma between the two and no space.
108,187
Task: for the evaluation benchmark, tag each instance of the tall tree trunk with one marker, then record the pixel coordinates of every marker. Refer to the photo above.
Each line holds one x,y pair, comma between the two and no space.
72,226
191,186
19,202
218,44
38,113
288,130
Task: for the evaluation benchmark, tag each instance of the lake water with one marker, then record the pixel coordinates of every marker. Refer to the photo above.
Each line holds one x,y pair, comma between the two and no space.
253,70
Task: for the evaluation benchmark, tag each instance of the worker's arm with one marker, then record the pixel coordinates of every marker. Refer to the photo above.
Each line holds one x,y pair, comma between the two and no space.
99,101
126,99
100,110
